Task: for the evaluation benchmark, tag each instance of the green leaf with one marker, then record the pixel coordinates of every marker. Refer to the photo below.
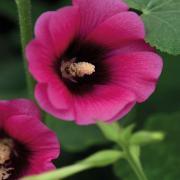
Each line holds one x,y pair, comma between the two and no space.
161,18
146,137
73,137
159,161
137,4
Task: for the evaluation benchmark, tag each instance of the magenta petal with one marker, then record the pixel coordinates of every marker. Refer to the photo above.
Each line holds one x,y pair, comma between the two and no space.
131,47
42,28
64,26
105,103
34,142
37,168
123,27
40,61
26,129
123,112
43,100
59,95
43,35
94,12
17,107
137,72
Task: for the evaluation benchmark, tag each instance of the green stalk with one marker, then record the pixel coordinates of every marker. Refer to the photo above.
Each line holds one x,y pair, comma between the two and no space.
114,132
135,166
62,173
96,160
24,12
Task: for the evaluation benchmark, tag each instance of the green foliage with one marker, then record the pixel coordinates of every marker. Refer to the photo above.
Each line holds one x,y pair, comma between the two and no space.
137,4
161,18
125,135
110,131
130,143
160,160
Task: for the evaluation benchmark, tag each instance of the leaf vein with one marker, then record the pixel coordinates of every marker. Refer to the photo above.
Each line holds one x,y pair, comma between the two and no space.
166,22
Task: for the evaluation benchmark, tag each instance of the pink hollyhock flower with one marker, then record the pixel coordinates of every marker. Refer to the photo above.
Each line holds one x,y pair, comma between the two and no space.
27,146
91,61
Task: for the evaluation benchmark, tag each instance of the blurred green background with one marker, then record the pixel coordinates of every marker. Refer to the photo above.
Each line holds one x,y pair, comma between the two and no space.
160,112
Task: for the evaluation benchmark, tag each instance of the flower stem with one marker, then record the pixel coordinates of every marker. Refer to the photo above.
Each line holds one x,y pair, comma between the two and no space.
24,12
114,132
60,173
136,166
96,160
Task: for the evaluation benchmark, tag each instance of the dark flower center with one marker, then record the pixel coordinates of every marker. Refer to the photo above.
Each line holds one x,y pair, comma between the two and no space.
13,157
82,66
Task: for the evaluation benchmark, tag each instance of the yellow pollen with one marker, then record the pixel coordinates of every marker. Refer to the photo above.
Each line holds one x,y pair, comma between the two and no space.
81,69
6,146
71,69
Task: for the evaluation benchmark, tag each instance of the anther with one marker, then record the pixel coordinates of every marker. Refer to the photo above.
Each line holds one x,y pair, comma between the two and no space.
71,69
6,146
81,69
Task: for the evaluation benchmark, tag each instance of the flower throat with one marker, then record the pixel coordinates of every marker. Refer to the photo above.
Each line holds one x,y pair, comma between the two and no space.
82,66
